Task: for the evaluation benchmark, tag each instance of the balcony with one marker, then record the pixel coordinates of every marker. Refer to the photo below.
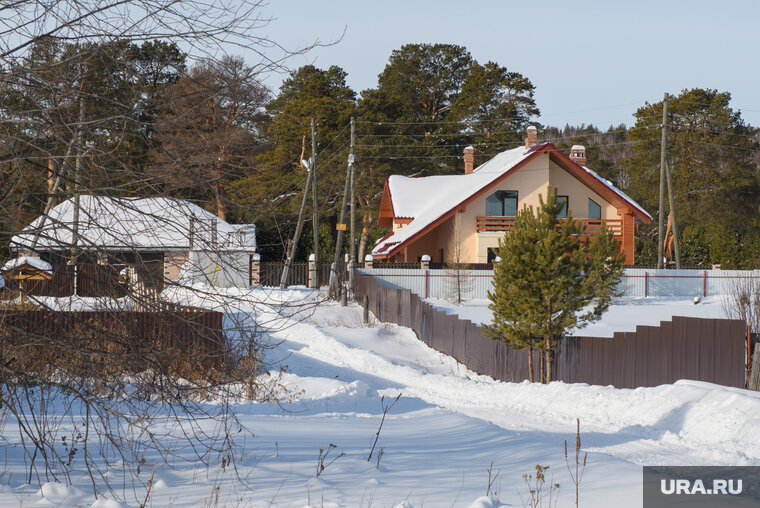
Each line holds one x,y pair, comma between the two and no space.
498,224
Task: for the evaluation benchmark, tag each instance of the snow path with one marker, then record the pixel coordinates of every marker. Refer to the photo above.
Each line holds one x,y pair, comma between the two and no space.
437,442
685,423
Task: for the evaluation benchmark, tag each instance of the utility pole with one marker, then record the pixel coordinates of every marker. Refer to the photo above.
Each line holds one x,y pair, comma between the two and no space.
663,163
351,162
297,234
341,226
77,191
672,202
315,218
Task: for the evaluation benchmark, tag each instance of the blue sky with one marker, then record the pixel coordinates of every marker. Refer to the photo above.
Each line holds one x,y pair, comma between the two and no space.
592,62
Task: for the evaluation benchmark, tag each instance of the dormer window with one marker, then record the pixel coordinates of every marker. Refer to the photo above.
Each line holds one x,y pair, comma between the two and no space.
502,204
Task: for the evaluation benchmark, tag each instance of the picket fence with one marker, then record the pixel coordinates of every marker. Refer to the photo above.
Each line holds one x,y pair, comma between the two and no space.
636,282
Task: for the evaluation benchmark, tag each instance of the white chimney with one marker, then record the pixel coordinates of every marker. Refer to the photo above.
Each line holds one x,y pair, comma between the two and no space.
532,138
578,154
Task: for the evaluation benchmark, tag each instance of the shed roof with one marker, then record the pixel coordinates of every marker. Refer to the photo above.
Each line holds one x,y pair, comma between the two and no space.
147,224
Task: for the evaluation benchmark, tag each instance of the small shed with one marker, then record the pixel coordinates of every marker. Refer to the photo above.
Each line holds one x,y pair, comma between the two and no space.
24,275
155,236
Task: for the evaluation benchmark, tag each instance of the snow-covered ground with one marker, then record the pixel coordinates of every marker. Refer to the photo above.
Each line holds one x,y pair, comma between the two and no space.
622,316
437,442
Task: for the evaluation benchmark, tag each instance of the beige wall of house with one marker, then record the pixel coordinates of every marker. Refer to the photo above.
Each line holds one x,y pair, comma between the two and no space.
578,194
531,181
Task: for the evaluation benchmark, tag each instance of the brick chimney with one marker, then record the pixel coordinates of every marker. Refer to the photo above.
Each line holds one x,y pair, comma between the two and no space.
532,138
578,154
469,160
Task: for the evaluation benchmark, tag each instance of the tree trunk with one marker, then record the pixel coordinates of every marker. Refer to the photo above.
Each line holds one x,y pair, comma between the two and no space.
218,199
548,358
530,364
367,220
51,175
541,362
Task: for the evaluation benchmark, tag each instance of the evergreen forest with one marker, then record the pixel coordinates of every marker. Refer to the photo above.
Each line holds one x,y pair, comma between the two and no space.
155,121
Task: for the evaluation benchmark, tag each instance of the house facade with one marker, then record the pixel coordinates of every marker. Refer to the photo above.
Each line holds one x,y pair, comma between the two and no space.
159,239
460,218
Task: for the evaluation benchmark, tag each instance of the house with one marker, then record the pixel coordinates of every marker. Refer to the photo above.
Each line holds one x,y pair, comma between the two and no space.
159,238
429,215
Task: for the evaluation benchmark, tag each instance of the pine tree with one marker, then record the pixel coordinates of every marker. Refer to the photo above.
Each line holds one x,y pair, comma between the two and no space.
550,280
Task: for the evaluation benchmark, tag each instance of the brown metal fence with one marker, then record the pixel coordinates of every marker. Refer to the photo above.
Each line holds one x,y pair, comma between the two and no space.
709,350
187,328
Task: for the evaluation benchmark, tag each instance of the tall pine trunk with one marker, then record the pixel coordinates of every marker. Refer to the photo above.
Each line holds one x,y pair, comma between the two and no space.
541,375
548,356
530,363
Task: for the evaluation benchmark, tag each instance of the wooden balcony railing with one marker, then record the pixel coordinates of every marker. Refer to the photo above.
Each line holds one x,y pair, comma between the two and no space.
592,225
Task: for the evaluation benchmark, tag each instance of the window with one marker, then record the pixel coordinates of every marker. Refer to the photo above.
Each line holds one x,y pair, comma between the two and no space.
565,203
502,204
594,210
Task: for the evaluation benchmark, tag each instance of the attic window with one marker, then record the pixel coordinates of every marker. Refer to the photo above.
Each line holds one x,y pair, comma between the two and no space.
565,201
502,204
594,210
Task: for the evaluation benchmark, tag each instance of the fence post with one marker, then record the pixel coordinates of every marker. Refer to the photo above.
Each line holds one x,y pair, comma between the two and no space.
255,275
312,271
368,259
646,284
748,349
425,265
754,380
704,283
366,309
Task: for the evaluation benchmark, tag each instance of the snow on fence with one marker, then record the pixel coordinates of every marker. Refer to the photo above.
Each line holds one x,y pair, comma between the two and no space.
635,282
709,350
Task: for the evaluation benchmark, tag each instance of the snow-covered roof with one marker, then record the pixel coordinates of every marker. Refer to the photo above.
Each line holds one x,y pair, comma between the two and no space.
113,223
408,194
32,261
427,199
617,191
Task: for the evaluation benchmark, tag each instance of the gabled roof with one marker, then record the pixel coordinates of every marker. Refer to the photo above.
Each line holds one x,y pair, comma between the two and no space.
431,200
113,223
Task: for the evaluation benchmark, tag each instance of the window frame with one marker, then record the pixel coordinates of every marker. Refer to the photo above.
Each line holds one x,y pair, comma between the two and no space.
503,195
598,206
563,213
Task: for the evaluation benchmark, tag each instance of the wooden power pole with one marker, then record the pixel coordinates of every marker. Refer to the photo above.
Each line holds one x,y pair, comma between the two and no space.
299,226
663,163
315,212
341,226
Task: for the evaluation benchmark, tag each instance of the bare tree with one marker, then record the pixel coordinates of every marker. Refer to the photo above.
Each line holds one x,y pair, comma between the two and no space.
743,302
459,279
81,84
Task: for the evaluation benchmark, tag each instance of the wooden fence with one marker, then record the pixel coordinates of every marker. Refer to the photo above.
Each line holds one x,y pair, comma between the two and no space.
711,350
93,280
187,328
